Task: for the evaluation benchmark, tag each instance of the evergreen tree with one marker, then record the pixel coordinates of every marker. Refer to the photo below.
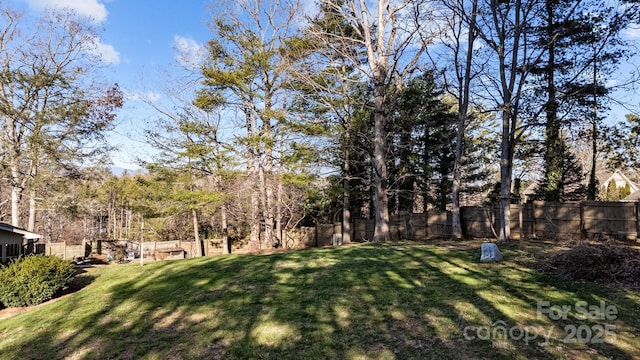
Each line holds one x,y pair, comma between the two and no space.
394,39
571,188
582,47
625,191
622,145
612,191
248,70
421,146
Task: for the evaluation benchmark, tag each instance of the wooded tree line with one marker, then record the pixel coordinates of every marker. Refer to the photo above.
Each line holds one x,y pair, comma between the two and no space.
359,109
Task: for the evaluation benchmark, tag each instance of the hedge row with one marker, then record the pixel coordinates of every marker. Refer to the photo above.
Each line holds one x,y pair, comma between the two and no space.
34,279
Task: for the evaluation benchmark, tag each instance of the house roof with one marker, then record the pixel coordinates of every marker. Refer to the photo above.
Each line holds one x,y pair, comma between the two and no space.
635,196
620,175
531,189
14,229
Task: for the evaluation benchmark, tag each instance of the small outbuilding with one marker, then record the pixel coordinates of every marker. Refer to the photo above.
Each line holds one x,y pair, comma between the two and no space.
170,253
14,241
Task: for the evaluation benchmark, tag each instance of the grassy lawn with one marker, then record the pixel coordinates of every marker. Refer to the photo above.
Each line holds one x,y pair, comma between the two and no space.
388,301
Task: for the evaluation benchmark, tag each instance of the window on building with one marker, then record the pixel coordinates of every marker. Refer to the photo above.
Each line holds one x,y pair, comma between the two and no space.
13,250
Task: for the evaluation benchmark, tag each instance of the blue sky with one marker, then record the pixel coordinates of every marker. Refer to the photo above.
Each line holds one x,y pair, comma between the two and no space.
138,38
146,33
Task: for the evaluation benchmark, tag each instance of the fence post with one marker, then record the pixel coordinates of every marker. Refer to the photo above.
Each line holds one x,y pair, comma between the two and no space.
637,219
427,226
521,220
583,230
534,220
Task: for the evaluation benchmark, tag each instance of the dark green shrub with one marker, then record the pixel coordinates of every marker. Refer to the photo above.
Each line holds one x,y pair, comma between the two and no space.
34,279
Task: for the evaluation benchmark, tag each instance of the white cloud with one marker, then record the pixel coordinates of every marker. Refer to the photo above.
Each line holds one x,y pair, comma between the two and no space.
93,9
148,96
310,7
188,52
632,32
107,53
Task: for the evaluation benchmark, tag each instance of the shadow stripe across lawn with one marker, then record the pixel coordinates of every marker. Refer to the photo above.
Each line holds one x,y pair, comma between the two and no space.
378,301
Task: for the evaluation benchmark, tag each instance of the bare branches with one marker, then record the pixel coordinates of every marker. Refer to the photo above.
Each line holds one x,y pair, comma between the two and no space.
51,112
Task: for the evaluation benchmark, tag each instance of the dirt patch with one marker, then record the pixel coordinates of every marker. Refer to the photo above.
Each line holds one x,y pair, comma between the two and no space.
12,311
9,312
604,263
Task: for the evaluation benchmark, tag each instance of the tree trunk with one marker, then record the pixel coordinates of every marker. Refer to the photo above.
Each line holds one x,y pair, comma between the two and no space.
592,188
461,124
346,171
196,233
381,231
141,240
262,183
254,235
346,198
268,180
456,224
456,186
252,162
32,211
506,166
16,195
226,245
115,223
269,221
278,218
17,189
278,204
554,149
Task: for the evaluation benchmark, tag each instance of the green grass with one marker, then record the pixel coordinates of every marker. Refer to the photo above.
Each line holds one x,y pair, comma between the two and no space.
389,301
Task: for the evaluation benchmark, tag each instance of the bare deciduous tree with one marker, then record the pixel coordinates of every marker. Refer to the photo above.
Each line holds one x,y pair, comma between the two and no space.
394,36
459,19
503,27
51,110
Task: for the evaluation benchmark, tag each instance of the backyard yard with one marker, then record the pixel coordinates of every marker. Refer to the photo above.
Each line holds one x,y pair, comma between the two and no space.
362,301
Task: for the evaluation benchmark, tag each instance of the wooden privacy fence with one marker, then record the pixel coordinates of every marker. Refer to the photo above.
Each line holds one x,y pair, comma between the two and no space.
302,237
430,225
589,219
118,248
537,220
611,218
63,250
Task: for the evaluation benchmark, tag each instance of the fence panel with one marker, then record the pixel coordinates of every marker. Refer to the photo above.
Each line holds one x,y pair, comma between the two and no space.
616,219
438,224
364,229
477,221
67,252
325,234
540,219
557,220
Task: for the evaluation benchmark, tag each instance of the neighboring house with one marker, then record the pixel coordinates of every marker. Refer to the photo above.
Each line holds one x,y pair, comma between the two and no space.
13,241
529,192
635,196
621,180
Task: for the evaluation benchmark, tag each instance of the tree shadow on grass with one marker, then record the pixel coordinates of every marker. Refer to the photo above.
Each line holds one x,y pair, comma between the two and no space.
372,301
585,302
